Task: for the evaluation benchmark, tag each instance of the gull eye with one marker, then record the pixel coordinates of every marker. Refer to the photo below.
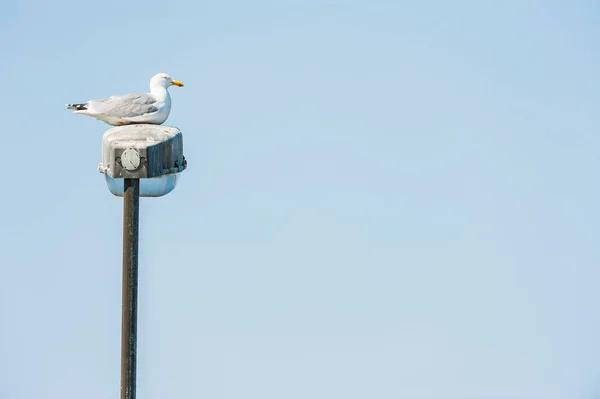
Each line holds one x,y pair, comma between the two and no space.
164,77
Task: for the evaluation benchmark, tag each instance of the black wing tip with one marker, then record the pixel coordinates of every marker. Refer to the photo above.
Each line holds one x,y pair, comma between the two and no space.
77,107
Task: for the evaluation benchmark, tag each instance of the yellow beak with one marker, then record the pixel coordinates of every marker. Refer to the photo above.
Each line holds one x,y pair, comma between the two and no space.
177,83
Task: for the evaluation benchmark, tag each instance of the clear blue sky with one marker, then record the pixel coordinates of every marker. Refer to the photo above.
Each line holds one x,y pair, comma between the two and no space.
384,199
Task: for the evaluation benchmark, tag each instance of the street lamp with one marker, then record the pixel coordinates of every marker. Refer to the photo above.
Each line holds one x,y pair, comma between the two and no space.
137,161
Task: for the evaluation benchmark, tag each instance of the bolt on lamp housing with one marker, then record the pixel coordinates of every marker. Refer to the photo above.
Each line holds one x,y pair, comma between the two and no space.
151,153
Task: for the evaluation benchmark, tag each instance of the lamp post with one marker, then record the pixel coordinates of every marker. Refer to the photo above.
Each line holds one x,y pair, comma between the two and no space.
138,161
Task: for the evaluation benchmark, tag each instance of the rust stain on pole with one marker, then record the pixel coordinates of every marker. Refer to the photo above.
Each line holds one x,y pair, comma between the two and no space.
131,211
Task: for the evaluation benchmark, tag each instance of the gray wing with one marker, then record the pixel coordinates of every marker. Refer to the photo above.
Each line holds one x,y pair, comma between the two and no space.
126,106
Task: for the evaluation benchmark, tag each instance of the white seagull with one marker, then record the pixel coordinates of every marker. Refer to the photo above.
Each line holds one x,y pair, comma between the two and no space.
152,108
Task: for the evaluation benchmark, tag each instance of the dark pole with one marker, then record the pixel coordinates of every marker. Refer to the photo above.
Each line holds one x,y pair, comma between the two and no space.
131,211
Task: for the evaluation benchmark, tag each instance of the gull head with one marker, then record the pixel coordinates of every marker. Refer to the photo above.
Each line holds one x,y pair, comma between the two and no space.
164,80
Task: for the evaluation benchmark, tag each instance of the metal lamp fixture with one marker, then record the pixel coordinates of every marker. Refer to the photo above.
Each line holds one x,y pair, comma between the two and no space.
151,153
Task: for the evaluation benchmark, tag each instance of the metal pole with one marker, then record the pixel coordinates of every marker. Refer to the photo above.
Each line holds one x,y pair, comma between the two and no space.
131,211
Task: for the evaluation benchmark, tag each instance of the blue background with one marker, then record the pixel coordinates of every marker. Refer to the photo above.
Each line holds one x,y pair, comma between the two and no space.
384,199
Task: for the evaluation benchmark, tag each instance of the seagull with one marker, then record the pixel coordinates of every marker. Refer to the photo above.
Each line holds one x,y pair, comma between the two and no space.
150,108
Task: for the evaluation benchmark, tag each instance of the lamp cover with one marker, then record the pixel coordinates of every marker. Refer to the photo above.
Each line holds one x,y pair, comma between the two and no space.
151,153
